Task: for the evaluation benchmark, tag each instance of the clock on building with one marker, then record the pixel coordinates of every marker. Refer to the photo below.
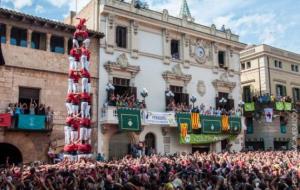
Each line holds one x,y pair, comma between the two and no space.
200,52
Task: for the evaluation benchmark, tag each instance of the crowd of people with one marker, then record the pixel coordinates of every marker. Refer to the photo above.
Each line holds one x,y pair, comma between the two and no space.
211,111
270,98
233,171
31,108
126,100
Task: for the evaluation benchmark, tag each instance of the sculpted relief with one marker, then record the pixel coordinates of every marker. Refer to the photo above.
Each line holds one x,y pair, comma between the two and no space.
202,51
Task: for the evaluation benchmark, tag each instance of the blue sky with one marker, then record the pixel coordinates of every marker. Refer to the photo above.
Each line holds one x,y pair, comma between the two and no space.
273,22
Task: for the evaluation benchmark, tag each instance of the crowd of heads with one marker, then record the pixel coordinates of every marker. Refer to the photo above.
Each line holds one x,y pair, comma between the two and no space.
31,108
270,98
126,100
233,171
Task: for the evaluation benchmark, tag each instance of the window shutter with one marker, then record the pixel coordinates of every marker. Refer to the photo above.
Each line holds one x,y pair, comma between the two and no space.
284,90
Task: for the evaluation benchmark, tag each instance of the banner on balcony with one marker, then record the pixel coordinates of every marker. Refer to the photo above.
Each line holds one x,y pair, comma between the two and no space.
235,125
225,123
211,124
279,106
5,120
283,128
195,117
249,107
269,114
161,118
184,118
201,139
129,119
287,106
32,122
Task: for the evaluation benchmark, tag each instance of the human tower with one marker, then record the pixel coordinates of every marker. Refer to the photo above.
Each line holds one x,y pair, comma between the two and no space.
78,102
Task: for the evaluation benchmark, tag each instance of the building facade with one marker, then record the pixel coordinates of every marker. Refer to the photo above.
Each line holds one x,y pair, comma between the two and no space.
266,70
143,48
35,67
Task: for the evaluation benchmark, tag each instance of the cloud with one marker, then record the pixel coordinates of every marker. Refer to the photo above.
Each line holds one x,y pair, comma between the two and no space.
19,4
39,9
71,4
58,3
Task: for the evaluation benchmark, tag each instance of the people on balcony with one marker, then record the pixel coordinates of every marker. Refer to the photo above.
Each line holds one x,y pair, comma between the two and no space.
125,100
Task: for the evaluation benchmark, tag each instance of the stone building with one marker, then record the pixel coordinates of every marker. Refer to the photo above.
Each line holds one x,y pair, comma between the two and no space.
269,70
35,52
162,53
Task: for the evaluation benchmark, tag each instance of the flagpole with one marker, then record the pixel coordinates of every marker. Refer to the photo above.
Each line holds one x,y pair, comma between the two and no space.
75,5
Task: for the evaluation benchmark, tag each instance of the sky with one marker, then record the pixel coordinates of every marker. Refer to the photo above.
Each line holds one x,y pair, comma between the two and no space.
273,22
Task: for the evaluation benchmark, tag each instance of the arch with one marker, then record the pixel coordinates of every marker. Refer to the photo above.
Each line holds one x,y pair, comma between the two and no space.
10,152
150,143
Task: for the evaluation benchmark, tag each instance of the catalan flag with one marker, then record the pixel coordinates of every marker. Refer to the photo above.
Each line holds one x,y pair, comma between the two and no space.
225,123
183,129
195,118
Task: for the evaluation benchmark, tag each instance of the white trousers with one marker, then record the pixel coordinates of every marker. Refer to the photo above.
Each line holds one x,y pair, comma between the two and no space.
70,85
67,130
89,133
83,134
75,87
85,85
86,43
84,63
74,136
84,109
71,63
75,43
69,108
75,109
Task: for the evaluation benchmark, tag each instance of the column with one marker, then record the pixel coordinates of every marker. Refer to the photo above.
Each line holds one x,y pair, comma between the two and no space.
185,50
29,34
48,42
133,38
166,46
8,33
66,39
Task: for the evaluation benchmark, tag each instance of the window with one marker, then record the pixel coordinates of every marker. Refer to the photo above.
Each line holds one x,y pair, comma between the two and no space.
294,68
175,49
246,94
18,37
248,65
228,105
179,96
221,59
70,45
121,37
243,66
296,94
277,64
280,90
27,94
38,40
122,87
3,33
57,44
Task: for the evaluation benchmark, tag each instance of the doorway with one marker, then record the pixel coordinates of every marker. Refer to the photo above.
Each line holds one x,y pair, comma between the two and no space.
200,149
119,145
9,153
149,144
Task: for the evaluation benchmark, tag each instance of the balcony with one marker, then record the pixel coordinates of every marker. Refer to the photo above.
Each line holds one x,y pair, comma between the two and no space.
109,115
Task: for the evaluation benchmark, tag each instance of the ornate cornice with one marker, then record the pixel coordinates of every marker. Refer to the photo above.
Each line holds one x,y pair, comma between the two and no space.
224,83
176,74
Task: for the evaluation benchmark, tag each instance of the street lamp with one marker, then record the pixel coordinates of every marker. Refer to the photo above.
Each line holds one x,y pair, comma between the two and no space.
193,100
144,93
170,94
109,87
223,101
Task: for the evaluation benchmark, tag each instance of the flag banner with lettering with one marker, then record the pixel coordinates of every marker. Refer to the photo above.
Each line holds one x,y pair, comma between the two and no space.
269,114
235,125
250,106
279,106
195,117
201,138
225,123
287,106
211,124
31,122
5,120
184,118
160,118
129,119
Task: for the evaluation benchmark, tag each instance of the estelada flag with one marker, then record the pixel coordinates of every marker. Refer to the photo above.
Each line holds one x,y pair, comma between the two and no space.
195,117
225,123
5,120
183,129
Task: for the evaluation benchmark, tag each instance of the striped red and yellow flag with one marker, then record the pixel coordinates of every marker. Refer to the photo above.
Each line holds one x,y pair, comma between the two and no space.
225,123
183,129
195,117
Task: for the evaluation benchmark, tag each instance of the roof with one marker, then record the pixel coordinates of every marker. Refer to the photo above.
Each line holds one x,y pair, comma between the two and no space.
184,10
44,21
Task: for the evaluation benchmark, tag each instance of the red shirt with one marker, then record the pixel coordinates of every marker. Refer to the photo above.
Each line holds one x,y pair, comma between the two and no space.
76,53
85,148
76,99
69,120
85,122
86,52
81,35
75,124
76,77
70,97
85,73
85,96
